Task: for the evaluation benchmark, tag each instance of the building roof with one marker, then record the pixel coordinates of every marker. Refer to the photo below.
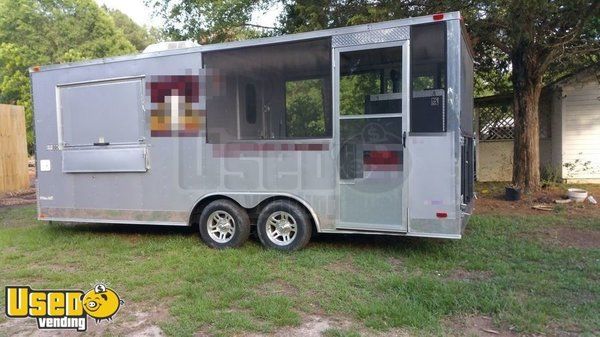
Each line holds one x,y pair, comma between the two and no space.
580,75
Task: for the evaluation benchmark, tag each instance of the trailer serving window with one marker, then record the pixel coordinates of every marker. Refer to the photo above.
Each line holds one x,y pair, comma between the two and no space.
277,91
428,78
87,116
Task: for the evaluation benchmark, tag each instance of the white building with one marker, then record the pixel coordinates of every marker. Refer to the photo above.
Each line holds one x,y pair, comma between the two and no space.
569,131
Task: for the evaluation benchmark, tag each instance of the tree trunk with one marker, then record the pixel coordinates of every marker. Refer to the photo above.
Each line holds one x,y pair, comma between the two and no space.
527,85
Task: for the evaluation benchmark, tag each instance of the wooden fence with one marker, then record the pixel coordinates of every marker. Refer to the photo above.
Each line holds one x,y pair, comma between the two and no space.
14,175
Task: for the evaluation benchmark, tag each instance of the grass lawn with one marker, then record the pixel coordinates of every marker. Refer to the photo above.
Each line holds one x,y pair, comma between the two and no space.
523,271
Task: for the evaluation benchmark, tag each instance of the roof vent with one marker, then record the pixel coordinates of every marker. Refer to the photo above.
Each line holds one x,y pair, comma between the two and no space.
168,45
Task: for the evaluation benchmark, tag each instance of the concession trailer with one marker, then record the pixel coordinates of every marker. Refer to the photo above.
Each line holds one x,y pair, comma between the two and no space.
363,129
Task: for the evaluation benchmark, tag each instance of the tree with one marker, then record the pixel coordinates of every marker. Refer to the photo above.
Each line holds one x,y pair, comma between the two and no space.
207,21
34,32
139,36
14,82
537,37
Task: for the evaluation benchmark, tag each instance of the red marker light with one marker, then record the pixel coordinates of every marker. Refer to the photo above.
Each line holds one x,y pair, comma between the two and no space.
438,17
441,214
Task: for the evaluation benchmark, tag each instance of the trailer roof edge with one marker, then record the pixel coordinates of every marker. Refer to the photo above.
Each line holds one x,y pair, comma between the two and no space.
254,42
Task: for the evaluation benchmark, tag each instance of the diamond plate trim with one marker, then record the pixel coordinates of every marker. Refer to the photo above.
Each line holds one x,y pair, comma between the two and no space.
107,214
373,36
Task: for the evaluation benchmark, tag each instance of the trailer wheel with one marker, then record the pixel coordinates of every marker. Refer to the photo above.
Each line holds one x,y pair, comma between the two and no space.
224,224
284,225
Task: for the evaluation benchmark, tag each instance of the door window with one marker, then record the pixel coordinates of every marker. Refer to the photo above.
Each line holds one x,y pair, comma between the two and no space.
370,82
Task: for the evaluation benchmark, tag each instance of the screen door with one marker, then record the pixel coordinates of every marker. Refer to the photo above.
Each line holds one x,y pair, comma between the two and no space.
371,85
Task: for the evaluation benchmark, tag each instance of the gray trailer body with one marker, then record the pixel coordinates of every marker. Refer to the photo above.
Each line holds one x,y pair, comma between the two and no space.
150,138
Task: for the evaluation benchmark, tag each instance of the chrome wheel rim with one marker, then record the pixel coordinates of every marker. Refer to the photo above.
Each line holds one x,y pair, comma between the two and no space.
281,228
220,226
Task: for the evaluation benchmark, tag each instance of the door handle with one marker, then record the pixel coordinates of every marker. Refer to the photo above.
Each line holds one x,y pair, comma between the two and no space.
404,139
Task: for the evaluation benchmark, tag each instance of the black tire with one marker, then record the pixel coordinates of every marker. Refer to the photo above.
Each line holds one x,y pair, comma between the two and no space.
241,224
278,208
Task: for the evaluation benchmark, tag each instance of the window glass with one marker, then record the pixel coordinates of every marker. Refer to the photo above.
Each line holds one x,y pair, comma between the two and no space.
274,91
370,81
370,143
423,83
305,111
428,78
466,90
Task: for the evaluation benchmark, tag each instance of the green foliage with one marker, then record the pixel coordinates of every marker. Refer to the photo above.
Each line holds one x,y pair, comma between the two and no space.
304,102
14,82
309,15
207,21
550,174
139,37
354,89
35,32
61,31
560,36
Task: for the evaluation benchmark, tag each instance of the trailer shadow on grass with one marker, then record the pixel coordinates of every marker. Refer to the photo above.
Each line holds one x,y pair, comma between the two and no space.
384,242
122,228
354,241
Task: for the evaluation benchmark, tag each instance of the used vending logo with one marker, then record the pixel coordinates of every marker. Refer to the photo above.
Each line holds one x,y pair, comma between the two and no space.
62,309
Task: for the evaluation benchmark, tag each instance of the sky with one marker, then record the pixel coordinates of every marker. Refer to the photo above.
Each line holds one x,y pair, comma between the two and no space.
142,15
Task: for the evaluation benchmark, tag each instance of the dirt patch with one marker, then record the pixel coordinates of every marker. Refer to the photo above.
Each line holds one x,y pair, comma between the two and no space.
567,330
312,326
136,323
342,266
317,325
469,275
491,201
151,331
475,325
396,263
65,268
277,287
25,197
566,237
